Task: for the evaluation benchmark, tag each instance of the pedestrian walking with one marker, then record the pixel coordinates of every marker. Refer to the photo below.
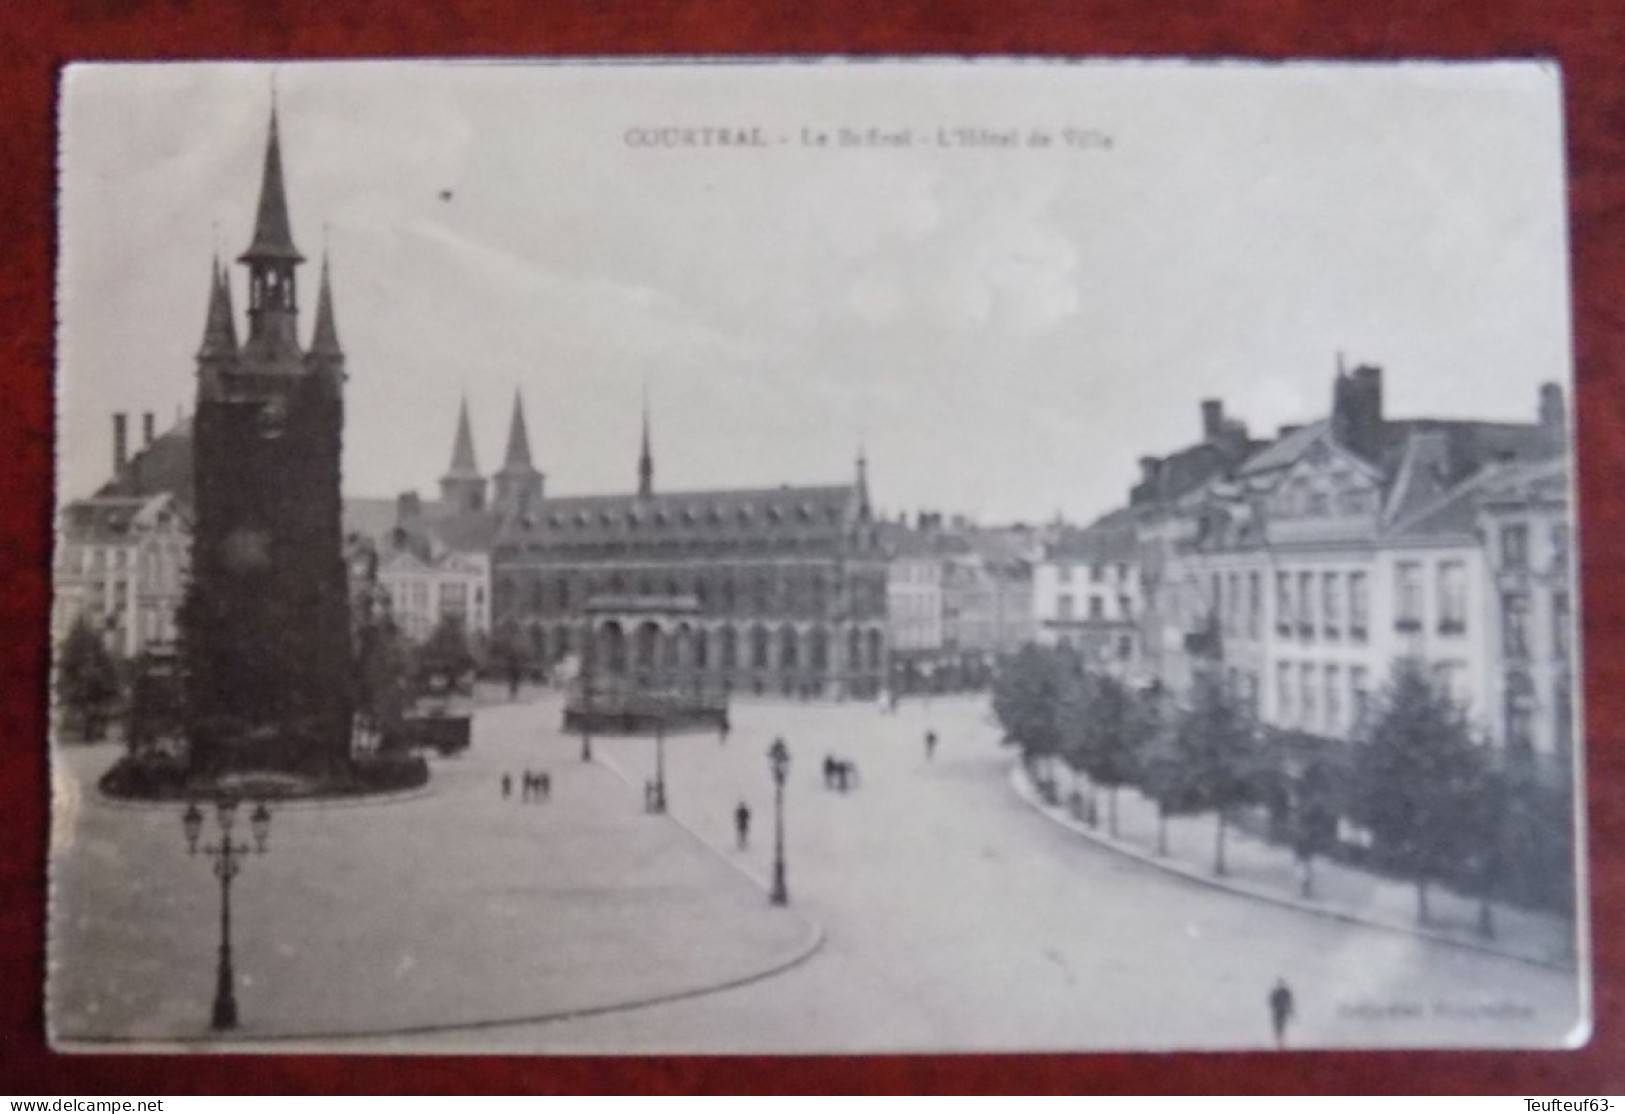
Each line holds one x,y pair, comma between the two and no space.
507,786
544,785
742,825
526,784
1280,1010
930,745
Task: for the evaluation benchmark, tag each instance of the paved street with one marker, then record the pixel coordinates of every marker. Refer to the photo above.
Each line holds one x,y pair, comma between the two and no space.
956,917
445,908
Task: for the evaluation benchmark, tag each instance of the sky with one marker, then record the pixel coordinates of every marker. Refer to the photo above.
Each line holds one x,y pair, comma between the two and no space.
1004,330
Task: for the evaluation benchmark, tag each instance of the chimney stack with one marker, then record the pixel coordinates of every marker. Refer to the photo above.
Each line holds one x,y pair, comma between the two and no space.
148,428
408,510
1212,419
1357,409
1554,417
121,442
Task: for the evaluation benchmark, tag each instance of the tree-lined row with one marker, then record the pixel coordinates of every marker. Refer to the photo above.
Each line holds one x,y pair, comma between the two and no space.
1434,804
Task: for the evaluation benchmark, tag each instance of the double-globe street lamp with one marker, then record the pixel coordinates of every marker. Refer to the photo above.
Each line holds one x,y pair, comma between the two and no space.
227,855
778,756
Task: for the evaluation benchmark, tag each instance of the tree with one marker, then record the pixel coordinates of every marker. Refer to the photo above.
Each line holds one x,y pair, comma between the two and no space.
382,670
508,651
1216,743
87,679
1314,820
446,654
1105,729
1025,697
1418,776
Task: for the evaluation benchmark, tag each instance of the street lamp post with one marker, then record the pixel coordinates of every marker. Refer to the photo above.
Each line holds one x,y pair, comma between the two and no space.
587,649
227,855
778,756
657,804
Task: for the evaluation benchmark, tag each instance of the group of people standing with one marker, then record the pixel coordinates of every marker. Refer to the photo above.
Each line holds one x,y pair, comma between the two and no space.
533,787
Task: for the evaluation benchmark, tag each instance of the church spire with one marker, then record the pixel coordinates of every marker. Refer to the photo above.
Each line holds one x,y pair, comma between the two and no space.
325,341
646,460
518,484
462,488
462,453
517,457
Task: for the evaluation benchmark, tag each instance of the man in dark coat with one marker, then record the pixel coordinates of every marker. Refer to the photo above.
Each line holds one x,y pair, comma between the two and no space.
1280,1010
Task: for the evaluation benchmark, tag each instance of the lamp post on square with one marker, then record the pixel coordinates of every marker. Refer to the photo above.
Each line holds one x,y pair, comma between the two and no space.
778,756
227,855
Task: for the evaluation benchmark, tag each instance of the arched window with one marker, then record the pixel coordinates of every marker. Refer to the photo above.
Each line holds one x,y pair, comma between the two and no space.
759,647
730,649
820,650
647,647
612,640
874,650
702,650
789,649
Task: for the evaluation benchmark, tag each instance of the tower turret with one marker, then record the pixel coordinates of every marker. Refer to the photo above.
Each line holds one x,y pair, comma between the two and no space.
326,357
518,483
218,352
462,488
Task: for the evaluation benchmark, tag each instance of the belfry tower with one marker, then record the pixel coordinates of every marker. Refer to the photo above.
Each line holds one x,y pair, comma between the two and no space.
267,620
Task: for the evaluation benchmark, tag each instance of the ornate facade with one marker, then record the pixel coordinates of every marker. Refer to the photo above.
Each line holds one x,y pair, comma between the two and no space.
777,591
1306,568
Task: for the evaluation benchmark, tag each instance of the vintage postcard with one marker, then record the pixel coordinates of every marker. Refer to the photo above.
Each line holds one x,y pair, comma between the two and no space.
815,557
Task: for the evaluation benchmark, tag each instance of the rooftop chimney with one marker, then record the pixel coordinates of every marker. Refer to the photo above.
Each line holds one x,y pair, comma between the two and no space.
121,442
148,428
1554,418
1357,409
1212,419
408,509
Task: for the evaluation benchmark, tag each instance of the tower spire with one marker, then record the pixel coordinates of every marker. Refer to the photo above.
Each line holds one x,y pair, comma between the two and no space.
273,304
325,340
518,455
273,233
219,330
462,453
462,488
646,462
518,484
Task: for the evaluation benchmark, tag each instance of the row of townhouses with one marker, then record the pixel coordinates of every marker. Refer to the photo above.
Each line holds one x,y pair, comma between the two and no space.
1303,566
